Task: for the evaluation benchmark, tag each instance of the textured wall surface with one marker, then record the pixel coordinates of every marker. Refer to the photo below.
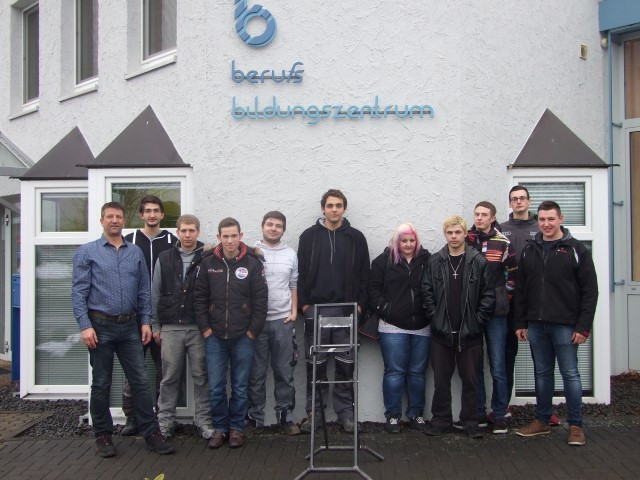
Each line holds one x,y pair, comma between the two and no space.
489,68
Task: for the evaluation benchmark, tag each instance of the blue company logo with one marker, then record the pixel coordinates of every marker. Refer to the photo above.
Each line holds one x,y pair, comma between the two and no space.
243,15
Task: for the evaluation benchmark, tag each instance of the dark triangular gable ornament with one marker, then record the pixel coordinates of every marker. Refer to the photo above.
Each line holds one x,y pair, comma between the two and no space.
63,160
553,145
143,144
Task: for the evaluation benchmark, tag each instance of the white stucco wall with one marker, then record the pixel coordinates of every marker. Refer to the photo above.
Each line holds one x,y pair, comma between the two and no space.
489,68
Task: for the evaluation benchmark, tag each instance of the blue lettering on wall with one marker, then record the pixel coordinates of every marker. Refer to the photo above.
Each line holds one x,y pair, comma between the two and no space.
335,111
293,75
243,15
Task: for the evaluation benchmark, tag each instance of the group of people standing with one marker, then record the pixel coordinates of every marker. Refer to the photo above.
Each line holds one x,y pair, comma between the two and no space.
234,306
527,279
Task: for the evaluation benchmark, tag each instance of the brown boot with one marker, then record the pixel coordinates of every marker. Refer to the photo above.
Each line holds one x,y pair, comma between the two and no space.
217,439
576,436
236,439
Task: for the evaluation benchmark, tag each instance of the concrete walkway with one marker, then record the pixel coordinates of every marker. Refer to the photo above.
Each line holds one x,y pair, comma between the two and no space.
612,451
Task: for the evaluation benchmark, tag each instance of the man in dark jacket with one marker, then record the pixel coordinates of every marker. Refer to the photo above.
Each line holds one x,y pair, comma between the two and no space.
230,301
174,327
555,300
501,259
521,226
152,240
333,267
459,299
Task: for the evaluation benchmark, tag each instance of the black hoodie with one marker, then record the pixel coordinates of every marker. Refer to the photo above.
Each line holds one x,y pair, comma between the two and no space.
333,265
152,247
394,290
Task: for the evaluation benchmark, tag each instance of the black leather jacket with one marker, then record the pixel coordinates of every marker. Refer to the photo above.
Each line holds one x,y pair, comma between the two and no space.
478,297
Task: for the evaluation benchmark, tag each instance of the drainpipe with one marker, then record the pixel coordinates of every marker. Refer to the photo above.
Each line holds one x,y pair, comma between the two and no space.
611,244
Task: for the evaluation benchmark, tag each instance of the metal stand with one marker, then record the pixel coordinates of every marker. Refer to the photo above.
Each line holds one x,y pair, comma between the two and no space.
348,322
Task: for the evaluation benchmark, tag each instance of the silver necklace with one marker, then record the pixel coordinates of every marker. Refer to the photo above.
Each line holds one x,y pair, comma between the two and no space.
455,270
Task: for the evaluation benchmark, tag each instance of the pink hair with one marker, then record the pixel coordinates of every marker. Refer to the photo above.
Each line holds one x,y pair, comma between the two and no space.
394,243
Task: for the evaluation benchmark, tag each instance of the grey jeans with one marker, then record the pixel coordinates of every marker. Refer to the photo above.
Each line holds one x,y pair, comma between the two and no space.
276,339
176,346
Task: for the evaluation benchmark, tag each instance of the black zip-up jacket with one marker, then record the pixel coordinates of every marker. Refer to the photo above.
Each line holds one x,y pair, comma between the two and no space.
231,295
398,299
175,302
152,248
559,287
356,278
478,297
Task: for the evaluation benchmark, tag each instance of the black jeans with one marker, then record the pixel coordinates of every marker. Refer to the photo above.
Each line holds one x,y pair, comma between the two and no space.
444,360
511,353
123,340
344,366
156,355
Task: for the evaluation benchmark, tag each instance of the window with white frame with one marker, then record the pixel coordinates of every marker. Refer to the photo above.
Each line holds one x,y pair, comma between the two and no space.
86,20
130,194
61,226
31,53
159,26
64,212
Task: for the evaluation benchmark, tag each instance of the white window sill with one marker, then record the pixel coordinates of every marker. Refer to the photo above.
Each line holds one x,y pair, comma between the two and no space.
153,64
26,110
82,89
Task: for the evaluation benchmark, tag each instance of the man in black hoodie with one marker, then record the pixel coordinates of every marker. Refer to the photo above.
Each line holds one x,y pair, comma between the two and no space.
333,267
555,300
152,240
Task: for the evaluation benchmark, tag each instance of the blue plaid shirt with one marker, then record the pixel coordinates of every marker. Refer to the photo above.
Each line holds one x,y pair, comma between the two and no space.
115,282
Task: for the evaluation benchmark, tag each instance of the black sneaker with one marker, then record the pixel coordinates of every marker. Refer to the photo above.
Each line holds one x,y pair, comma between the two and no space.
157,443
483,422
458,425
130,428
434,430
104,445
499,426
393,425
473,431
417,423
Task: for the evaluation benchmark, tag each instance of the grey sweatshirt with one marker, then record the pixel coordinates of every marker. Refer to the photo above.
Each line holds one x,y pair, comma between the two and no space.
281,270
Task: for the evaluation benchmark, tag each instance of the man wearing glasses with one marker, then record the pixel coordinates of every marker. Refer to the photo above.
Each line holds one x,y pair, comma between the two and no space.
521,226
152,240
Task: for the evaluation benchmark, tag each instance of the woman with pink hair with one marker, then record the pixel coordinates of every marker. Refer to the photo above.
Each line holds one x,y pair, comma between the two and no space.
405,338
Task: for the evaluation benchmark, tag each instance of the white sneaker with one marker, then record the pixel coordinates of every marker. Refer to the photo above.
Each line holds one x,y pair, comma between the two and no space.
206,431
166,432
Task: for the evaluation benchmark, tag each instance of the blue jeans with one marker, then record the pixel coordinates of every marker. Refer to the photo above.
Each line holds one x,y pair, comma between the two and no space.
123,340
549,341
219,352
405,359
495,334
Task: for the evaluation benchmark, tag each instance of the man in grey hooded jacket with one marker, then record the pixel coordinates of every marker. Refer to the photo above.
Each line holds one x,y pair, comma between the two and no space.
277,337
175,328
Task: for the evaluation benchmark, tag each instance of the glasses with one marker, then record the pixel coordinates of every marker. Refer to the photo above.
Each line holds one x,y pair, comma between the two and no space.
519,199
